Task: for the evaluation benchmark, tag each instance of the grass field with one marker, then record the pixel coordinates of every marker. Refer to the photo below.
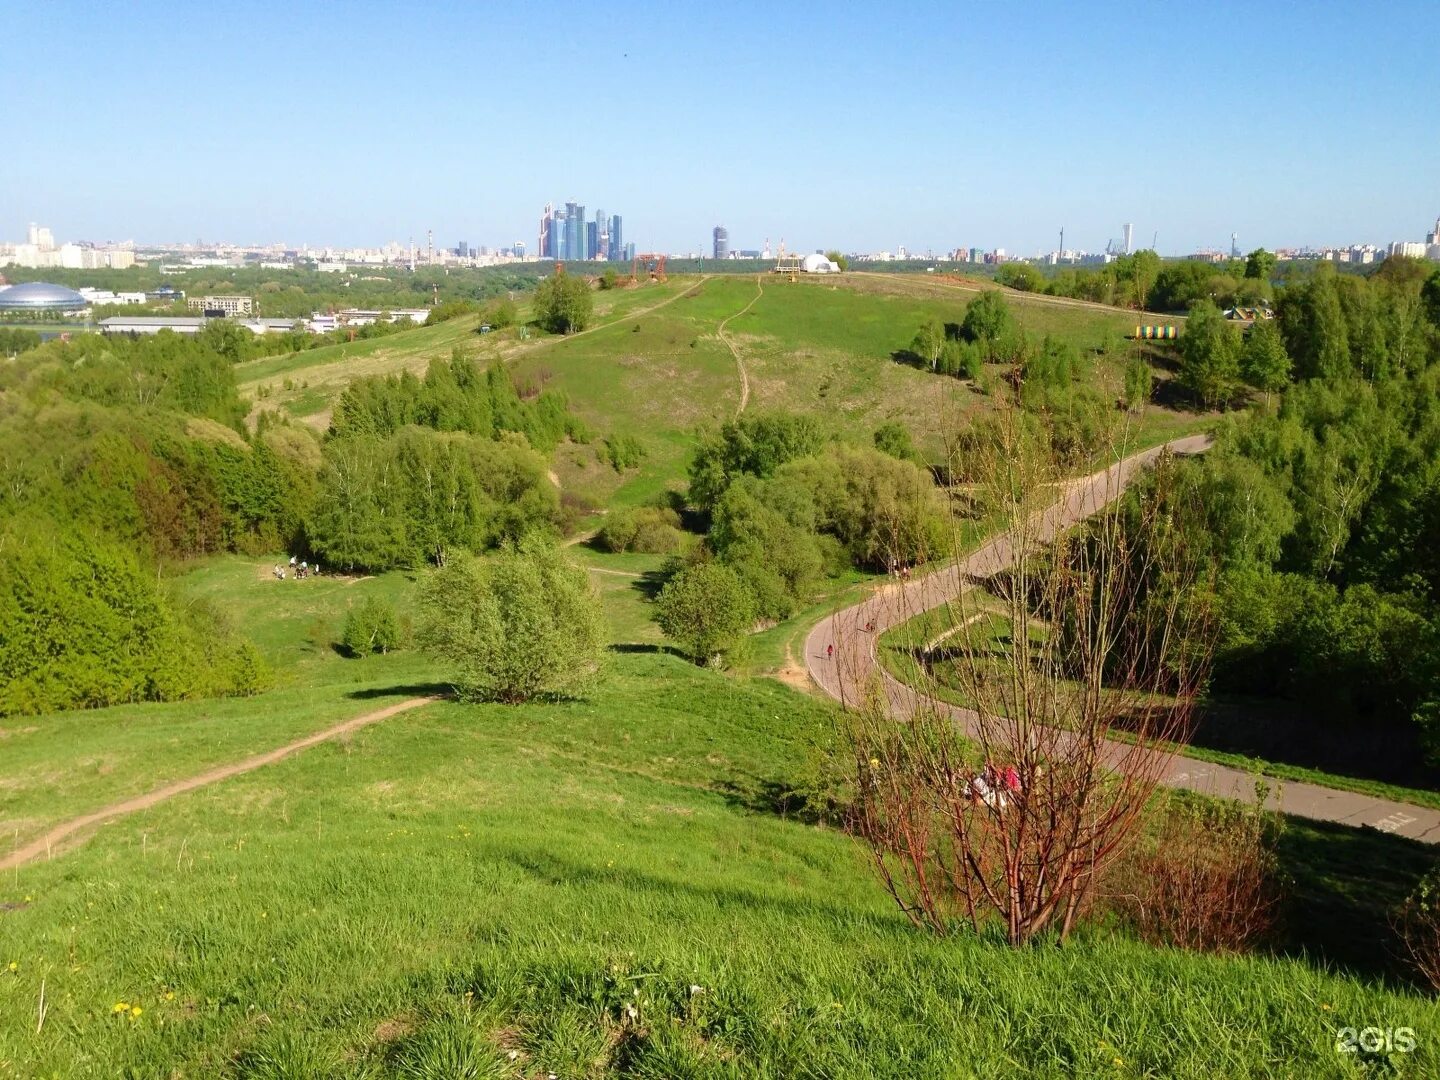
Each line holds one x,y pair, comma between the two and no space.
468,882
655,365
469,890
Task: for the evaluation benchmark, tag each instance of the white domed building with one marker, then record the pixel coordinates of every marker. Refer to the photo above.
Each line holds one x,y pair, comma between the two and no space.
818,264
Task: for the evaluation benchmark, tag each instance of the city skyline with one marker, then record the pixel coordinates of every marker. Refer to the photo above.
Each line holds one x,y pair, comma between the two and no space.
928,127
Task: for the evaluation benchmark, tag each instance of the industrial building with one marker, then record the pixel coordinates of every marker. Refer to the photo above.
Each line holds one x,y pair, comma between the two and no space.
152,324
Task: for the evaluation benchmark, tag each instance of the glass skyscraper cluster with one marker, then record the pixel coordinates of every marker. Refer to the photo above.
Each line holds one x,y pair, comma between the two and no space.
566,234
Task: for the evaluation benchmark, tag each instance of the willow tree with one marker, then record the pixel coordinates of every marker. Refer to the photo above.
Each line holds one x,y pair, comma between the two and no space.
1040,718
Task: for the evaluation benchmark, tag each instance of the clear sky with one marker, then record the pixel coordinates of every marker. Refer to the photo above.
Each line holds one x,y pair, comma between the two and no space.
856,125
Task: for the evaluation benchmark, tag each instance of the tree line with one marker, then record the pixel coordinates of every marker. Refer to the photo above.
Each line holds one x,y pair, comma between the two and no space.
118,456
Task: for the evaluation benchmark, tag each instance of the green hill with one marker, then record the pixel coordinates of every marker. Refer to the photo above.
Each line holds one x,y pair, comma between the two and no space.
627,885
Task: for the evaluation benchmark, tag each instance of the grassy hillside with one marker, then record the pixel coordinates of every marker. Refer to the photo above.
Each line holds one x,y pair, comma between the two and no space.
656,364
625,885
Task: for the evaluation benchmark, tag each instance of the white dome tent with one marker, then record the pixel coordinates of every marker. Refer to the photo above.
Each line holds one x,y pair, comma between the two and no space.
818,264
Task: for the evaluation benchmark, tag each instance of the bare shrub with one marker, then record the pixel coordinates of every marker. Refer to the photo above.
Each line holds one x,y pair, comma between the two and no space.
1418,924
1204,877
1002,794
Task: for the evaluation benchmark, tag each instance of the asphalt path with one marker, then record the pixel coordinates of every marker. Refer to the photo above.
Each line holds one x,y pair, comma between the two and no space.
841,659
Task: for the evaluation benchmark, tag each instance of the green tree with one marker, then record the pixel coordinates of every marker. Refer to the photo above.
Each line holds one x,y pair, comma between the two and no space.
893,438
1264,363
756,443
1210,355
563,304
706,610
373,627
1139,383
928,342
988,321
609,279
1260,264
522,623
1021,277
838,259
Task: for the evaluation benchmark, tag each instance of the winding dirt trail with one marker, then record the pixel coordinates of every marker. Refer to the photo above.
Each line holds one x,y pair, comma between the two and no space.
840,655
46,844
734,351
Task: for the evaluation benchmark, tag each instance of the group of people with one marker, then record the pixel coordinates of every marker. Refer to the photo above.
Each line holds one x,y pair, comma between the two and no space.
301,569
995,786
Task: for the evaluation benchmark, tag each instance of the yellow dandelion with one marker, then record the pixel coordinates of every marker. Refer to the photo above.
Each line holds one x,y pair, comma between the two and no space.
14,965
1119,1062
1325,1006
169,995
120,1006
135,1011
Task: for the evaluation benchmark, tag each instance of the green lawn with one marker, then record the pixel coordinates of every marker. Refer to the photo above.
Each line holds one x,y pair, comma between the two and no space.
476,880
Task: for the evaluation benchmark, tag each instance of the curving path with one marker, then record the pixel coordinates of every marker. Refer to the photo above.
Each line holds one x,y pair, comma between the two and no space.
45,845
854,665
735,352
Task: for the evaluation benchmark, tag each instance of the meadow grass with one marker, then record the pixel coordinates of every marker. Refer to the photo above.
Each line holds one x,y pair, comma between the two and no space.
828,347
467,882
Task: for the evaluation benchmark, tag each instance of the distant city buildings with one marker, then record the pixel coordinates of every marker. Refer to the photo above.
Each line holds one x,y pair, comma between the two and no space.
228,306
567,236
720,242
39,252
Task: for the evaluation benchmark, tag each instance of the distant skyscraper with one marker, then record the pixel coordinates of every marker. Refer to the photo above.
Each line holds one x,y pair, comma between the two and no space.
721,239
574,231
617,240
1129,238
592,239
602,236
519,249
546,246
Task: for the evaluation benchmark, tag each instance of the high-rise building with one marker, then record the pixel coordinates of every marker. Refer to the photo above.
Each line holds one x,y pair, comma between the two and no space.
721,239
574,231
617,240
1129,238
602,236
546,246
519,249
592,239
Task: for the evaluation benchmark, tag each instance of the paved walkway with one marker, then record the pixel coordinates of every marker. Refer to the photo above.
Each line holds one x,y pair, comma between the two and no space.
854,665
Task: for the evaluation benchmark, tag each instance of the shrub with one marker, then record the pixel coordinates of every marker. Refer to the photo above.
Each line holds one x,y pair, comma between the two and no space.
1418,924
652,530
623,452
500,313
518,625
84,625
706,610
373,627
1205,878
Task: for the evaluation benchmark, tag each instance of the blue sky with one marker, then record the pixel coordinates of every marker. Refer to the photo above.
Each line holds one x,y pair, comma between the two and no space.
862,126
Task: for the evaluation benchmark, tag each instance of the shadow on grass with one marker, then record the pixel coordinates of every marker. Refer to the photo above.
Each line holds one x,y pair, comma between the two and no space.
406,690
760,795
649,583
637,647
1343,886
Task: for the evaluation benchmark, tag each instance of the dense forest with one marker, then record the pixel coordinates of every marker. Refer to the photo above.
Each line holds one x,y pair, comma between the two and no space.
1321,507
